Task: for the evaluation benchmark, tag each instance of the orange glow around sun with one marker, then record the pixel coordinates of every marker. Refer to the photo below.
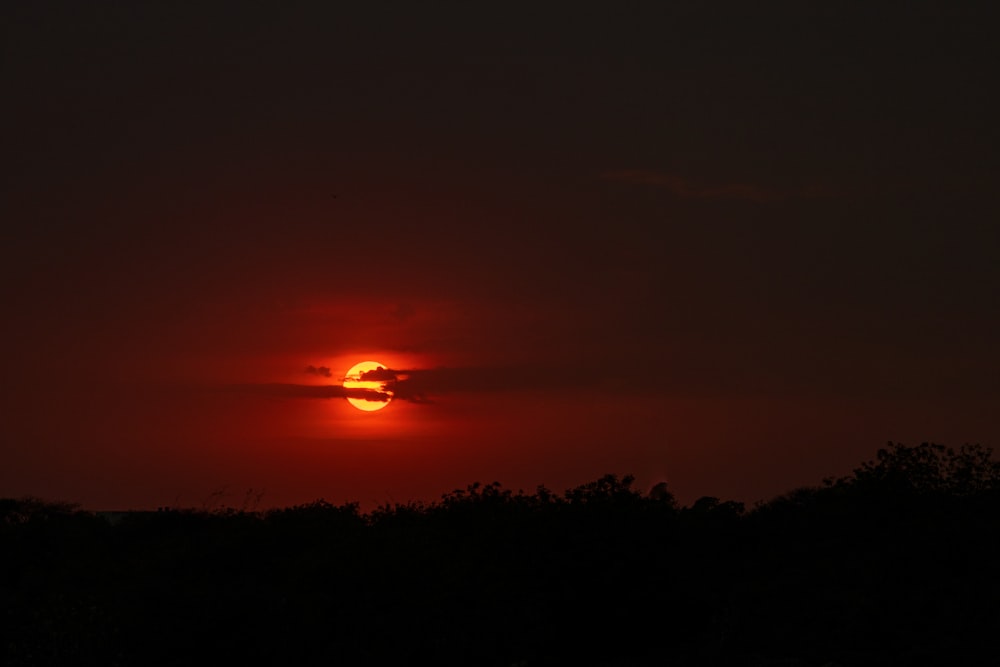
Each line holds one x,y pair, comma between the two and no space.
353,381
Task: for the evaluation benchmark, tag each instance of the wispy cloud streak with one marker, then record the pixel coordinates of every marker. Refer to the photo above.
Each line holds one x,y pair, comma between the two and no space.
687,189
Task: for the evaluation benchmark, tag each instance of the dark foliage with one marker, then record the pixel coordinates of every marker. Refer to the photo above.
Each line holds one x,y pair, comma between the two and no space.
895,564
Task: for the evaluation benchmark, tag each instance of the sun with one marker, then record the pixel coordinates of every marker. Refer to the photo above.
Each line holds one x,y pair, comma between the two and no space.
353,381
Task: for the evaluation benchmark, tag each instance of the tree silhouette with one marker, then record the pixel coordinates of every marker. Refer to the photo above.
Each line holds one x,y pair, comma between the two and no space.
929,468
893,564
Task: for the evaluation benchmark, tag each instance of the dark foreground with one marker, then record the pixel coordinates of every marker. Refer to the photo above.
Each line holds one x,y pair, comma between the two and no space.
896,564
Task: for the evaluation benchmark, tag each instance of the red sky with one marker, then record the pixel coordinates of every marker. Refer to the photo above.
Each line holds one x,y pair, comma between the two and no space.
732,248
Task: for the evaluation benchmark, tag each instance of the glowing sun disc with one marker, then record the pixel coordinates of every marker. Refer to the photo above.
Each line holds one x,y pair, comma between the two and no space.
352,381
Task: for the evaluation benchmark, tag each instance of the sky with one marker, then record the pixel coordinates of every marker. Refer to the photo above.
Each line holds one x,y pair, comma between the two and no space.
736,247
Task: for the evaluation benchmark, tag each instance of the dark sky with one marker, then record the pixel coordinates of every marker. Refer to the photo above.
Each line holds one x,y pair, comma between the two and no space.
734,246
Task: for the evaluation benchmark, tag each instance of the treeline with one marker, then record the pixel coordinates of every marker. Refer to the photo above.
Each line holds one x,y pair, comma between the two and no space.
896,563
